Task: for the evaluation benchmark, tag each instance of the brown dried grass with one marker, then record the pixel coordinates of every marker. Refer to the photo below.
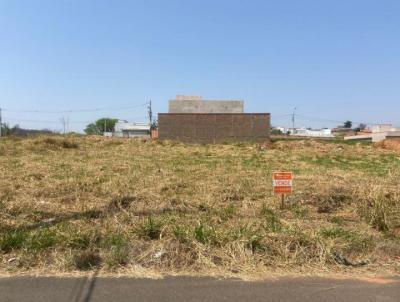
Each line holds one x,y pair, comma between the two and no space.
176,208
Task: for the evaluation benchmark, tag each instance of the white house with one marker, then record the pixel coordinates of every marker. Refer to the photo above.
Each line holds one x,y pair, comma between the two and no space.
313,133
125,129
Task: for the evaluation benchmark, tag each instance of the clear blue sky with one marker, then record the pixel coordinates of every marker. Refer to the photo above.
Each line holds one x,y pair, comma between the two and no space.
335,60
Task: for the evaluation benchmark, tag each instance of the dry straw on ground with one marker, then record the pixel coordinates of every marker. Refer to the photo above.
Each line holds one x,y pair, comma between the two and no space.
120,206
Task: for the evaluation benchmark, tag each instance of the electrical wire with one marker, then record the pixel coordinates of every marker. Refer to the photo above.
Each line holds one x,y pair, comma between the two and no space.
334,121
76,110
47,122
70,122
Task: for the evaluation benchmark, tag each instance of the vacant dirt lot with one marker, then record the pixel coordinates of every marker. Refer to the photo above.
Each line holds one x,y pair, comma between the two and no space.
134,206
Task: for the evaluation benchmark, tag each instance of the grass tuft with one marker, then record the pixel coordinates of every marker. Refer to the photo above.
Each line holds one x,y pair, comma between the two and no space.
43,239
12,240
120,203
228,212
150,229
337,220
87,260
56,143
117,246
300,211
272,222
205,234
182,234
382,211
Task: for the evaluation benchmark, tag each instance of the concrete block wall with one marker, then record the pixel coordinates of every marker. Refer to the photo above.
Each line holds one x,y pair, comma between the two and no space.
214,127
200,106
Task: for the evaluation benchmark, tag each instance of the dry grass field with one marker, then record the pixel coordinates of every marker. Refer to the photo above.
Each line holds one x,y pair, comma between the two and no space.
129,206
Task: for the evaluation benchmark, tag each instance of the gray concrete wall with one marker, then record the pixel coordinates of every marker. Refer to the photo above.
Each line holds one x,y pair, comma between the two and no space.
209,106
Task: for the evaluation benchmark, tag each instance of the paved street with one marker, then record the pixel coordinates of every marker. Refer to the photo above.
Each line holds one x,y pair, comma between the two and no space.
195,289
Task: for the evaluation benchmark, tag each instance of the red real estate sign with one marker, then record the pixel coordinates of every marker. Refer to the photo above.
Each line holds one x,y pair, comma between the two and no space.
283,182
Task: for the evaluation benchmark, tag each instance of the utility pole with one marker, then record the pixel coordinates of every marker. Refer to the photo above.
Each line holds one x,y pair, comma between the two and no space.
1,125
64,121
150,113
293,115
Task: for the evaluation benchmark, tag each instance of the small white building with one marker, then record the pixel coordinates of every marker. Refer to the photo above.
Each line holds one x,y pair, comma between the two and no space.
382,128
281,129
313,133
126,129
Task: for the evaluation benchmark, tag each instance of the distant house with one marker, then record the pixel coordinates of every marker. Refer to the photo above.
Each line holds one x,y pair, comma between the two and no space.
377,133
382,128
342,131
326,133
282,130
126,129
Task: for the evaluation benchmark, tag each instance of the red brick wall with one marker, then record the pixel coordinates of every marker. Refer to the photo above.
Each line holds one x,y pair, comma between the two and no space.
214,127
154,133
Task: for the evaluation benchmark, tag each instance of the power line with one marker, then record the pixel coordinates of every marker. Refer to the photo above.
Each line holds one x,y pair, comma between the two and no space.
76,110
70,122
333,121
282,115
320,119
45,121
317,119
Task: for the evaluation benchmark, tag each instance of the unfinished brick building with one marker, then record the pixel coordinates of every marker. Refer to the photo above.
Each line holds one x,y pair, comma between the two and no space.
192,119
214,127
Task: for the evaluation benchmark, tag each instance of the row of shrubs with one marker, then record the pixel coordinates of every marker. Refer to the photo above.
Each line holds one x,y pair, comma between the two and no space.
55,143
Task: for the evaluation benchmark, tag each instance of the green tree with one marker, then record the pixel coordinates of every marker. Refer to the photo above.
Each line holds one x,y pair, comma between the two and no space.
361,127
348,124
154,125
100,126
5,129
